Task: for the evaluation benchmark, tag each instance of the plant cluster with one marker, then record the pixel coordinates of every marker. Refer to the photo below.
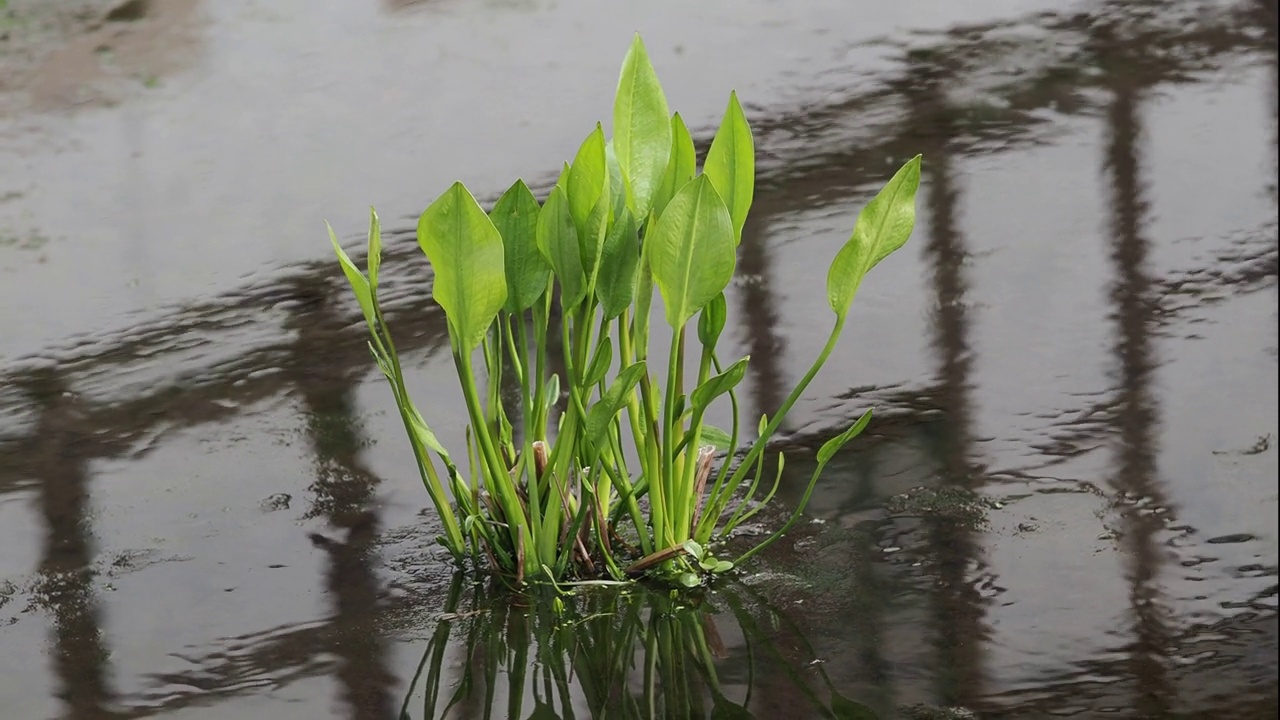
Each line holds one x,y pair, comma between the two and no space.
604,469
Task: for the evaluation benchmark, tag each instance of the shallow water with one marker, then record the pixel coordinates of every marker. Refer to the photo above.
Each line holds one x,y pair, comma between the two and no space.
1066,505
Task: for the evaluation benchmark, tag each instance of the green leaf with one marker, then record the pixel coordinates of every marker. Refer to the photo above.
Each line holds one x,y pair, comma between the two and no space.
641,128
619,266
681,166
720,384
359,283
689,580
600,362
558,243
731,164
832,446
588,177
465,250
692,251
601,415
882,227
617,184
715,437
693,548
711,321
516,217
722,566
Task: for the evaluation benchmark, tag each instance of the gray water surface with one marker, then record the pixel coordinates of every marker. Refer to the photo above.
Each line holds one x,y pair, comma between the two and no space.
1066,506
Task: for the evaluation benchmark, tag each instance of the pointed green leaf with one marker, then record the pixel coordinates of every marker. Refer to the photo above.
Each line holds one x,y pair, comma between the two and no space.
619,266
882,227
718,385
588,176
465,251
681,165
693,548
558,243
832,446
641,128
731,164
516,217
359,283
692,251
601,415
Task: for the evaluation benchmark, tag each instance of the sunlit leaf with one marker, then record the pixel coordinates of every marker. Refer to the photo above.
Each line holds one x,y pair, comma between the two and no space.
681,165
641,128
731,164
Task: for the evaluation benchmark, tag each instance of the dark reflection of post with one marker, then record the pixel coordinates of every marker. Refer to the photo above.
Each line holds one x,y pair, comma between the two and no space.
344,493
760,323
1141,499
954,550
80,657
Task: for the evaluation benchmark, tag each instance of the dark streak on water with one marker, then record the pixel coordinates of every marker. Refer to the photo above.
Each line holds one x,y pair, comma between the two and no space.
1093,545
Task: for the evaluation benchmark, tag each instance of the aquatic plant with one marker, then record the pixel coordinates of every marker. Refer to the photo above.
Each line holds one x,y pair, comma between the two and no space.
605,469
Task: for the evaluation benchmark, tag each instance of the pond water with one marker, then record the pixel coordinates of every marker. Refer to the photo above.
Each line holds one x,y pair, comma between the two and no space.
1067,503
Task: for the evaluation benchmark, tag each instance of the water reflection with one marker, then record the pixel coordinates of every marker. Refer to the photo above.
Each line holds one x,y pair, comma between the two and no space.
1143,506
81,658
610,653
344,493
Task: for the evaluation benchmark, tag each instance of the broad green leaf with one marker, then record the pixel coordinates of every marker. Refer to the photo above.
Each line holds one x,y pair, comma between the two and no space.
617,185
718,385
882,227
689,580
600,362
681,166
588,176
832,446
465,251
516,217
359,283
375,253
558,243
693,548
711,321
619,266
715,437
641,128
601,415
731,164
692,250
